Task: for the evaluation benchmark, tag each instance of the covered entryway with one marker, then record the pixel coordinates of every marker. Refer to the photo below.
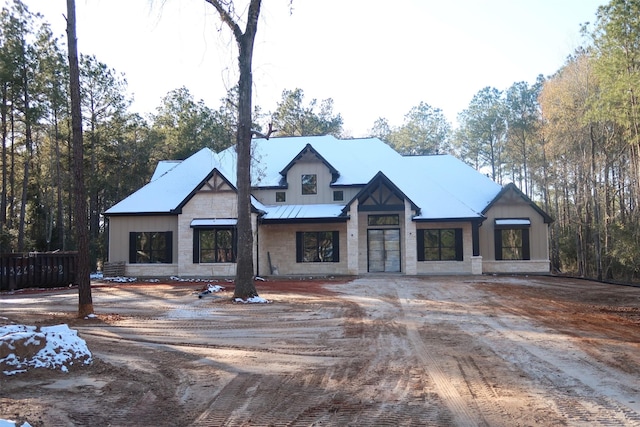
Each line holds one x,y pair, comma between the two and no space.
383,250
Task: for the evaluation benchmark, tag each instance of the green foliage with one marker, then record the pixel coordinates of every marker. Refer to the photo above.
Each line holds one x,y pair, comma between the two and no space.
425,130
480,138
293,118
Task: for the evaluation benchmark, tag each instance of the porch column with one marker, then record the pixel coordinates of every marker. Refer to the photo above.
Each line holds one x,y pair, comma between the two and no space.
409,252
352,239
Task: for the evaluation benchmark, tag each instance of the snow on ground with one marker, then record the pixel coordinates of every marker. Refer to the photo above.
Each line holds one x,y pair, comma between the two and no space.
9,423
25,347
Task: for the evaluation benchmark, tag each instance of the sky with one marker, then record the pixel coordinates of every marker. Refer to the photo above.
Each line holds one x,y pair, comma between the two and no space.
374,60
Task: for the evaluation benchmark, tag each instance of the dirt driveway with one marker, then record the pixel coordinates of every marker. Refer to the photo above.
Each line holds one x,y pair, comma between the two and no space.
379,350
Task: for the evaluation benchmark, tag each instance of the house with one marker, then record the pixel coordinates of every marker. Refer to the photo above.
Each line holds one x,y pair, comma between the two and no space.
325,206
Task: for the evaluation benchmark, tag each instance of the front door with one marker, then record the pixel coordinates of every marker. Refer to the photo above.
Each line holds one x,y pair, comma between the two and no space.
384,250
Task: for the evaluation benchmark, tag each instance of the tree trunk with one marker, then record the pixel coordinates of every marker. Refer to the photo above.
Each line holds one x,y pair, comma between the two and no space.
85,302
244,285
3,196
27,159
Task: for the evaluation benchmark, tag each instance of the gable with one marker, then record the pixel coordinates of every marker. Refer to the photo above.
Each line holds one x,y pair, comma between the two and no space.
511,202
310,155
217,183
380,194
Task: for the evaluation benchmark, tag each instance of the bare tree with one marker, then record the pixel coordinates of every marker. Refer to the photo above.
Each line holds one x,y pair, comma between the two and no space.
85,302
245,287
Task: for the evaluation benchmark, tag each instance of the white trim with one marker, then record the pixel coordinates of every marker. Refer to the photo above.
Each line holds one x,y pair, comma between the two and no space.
214,222
513,221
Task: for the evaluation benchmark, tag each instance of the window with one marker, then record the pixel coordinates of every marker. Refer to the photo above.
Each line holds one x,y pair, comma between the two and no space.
512,244
377,220
150,247
281,196
214,245
512,238
440,244
338,196
310,184
317,246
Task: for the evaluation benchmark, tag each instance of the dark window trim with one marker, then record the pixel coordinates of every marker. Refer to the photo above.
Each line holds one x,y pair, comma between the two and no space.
310,187
459,248
394,217
335,242
168,249
526,243
196,244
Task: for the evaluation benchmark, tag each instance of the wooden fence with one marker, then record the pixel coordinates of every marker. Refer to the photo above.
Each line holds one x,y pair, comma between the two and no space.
37,270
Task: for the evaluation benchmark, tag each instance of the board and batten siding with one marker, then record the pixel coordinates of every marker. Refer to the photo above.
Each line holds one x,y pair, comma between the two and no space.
512,205
294,179
121,226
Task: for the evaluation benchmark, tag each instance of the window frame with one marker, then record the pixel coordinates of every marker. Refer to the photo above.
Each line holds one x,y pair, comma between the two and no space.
382,220
309,188
164,255
337,193
281,195
303,245
525,247
216,249
421,241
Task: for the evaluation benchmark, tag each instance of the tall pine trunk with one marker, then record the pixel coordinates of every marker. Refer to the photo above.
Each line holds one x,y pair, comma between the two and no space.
85,302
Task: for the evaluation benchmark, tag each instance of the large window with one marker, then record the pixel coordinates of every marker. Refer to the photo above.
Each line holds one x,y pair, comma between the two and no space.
440,244
214,245
512,239
310,184
317,246
150,247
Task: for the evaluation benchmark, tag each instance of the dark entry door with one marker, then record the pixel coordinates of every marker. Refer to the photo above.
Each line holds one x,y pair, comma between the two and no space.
384,250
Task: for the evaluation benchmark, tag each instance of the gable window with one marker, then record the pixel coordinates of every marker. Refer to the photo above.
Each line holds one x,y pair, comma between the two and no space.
310,184
512,239
317,246
150,247
377,220
338,196
440,244
214,245
281,196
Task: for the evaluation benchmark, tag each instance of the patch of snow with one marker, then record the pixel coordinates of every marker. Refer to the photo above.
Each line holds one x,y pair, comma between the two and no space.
9,423
211,288
53,347
253,300
120,279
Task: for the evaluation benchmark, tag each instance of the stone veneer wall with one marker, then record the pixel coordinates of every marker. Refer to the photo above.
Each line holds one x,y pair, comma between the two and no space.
517,266
279,240
449,267
212,205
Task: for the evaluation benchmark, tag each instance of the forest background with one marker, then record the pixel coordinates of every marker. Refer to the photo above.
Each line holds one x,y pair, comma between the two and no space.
570,141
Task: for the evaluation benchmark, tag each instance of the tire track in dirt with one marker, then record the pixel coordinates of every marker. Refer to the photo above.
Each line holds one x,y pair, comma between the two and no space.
560,369
459,406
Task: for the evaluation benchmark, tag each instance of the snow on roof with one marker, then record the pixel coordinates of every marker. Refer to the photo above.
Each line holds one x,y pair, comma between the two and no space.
442,186
356,160
302,212
167,192
163,167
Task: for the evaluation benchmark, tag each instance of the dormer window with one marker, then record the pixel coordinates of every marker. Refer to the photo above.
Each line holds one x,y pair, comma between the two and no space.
310,184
